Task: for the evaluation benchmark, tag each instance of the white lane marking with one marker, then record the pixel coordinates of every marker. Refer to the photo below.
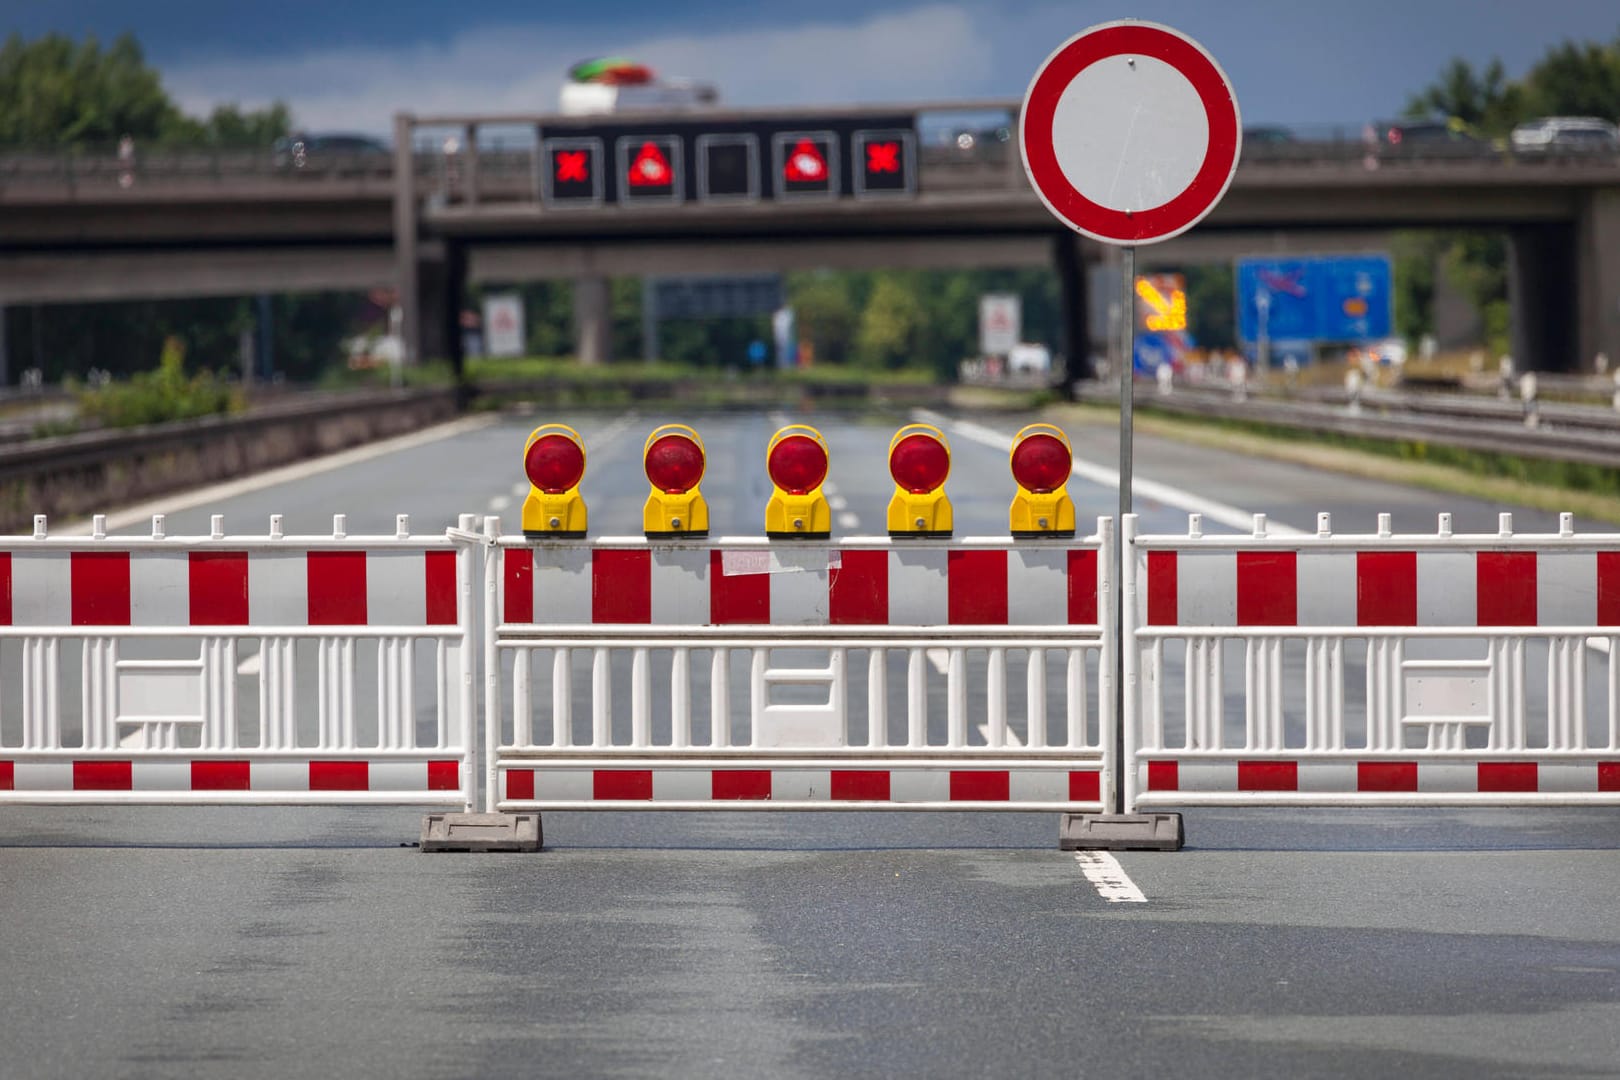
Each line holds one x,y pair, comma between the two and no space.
595,442
1012,736
185,500
250,665
520,489
1109,878
1230,516
940,659
779,418
846,520
499,503
837,502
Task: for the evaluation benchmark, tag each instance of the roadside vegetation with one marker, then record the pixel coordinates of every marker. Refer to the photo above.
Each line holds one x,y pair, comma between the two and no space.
154,397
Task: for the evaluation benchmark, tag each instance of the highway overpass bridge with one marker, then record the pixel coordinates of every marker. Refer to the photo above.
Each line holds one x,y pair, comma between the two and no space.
452,205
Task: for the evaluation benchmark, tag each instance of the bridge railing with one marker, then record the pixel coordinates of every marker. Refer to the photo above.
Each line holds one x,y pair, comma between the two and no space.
460,162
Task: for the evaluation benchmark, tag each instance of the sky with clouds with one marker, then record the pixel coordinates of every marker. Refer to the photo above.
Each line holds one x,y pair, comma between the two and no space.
350,66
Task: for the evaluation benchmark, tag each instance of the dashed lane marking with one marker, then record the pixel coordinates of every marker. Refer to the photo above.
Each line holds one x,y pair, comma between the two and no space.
846,520
500,502
837,502
1109,878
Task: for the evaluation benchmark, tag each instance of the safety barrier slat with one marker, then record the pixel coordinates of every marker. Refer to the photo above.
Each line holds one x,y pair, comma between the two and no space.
1377,669
798,674
231,668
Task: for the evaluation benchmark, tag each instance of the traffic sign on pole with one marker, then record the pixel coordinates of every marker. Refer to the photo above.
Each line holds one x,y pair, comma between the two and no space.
1130,132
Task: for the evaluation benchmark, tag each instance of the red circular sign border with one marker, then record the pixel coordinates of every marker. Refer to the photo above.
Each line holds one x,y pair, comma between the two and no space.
1220,108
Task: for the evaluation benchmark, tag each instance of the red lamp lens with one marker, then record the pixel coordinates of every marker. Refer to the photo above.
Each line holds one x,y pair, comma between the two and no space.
919,464
1041,463
554,463
797,464
674,464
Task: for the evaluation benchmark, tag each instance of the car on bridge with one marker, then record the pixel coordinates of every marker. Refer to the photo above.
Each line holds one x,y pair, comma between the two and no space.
1424,139
331,153
1566,135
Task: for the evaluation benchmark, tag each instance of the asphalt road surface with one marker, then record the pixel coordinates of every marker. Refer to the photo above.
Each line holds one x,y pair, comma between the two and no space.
243,942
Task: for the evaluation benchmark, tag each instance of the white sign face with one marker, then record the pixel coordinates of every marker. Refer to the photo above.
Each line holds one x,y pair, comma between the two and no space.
1000,323
1130,132
1108,155
503,325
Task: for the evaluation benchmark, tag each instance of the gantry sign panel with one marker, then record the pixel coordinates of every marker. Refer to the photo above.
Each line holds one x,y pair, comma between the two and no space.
653,162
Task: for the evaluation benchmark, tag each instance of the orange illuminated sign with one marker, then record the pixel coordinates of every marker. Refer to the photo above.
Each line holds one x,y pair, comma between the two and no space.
1161,303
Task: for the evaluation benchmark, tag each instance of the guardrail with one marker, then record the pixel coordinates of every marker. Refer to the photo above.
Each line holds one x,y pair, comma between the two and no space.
73,475
1548,431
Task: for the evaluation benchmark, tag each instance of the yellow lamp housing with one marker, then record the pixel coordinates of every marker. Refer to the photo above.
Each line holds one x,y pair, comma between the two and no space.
1041,459
796,460
554,462
919,462
673,459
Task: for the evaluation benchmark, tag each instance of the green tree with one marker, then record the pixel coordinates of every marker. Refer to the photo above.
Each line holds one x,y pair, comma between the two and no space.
1485,102
887,336
1212,305
1576,79
54,91
826,313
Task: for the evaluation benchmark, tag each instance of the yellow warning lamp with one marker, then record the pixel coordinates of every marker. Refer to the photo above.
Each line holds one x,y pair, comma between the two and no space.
673,459
919,461
796,460
1041,460
554,461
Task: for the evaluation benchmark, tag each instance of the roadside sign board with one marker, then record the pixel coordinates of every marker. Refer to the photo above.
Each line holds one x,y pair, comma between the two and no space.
1130,132
1330,298
1000,323
503,324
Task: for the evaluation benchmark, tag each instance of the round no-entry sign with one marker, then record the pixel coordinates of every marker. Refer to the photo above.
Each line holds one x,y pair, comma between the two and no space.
1130,132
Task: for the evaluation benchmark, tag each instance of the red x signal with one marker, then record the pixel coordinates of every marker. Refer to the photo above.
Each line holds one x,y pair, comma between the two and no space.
571,166
882,157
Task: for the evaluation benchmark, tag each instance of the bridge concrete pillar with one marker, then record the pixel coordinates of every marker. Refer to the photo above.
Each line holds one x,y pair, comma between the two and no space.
1597,258
1542,290
441,288
1074,308
426,315
593,320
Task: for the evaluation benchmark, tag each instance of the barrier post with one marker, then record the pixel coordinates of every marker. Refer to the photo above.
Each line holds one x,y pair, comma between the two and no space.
1122,829
489,830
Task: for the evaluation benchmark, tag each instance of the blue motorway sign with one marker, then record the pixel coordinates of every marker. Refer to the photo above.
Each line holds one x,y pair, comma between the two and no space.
1330,298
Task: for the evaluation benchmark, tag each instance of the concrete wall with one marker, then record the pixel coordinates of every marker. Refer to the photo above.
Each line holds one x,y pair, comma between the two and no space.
78,475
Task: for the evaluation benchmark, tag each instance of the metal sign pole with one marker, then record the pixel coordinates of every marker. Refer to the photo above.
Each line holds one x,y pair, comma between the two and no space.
1127,365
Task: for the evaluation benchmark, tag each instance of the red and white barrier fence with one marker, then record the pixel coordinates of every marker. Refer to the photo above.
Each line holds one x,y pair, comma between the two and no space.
1372,669
229,668
800,635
